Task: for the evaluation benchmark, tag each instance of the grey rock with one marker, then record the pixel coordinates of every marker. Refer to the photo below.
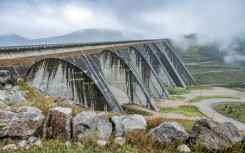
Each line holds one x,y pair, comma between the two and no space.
23,143
184,148
27,147
88,124
128,124
20,122
12,94
7,78
10,147
215,136
169,132
58,123
121,141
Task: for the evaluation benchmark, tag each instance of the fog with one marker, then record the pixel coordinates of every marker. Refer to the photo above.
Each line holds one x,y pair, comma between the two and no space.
212,20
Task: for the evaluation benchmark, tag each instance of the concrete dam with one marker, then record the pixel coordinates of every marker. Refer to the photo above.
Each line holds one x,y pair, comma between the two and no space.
103,75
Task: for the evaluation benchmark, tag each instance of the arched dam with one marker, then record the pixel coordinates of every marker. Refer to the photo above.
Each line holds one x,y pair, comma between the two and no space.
101,76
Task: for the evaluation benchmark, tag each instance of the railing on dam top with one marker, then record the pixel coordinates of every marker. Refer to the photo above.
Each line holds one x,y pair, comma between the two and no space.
50,46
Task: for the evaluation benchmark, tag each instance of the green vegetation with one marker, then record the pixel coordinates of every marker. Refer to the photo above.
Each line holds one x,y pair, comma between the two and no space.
200,87
186,110
235,110
130,110
239,89
201,98
177,91
176,97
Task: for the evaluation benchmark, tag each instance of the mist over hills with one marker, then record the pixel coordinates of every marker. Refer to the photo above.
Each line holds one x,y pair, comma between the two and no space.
86,35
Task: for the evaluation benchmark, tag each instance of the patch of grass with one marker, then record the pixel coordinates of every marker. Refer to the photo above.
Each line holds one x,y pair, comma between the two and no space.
239,89
176,97
186,110
177,90
154,122
44,103
235,110
129,110
201,98
200,87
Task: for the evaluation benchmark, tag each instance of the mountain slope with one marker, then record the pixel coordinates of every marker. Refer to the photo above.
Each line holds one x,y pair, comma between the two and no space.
86,35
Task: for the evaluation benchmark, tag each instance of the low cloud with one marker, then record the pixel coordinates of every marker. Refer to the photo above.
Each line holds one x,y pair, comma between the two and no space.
219,19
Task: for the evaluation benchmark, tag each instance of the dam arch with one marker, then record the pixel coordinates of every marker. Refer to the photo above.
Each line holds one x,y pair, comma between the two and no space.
121,80
63,79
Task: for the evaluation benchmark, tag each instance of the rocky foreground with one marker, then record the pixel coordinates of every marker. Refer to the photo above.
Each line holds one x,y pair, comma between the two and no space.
31,127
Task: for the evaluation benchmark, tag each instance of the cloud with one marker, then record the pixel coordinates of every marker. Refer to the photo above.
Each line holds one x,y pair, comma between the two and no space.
155,18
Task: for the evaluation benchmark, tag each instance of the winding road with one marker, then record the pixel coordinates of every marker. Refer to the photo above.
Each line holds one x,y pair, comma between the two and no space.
206,108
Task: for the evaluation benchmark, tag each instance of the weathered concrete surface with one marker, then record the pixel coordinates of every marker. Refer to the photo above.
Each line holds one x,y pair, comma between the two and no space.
60,64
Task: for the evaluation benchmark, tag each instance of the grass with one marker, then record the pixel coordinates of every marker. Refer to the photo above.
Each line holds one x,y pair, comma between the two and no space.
239,89
176,97
201,98
129,110
200,87
228,75
44,103
235,110
177,91
186,110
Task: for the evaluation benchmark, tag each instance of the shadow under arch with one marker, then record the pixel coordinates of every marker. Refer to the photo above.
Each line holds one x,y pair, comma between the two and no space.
61,78
158,66
121,81
147,73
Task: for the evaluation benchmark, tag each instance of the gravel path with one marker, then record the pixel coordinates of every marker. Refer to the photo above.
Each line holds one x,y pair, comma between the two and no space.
206,108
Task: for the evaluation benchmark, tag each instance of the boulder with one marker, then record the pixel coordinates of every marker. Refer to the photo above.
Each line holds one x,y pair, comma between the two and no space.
12,95
7,78
215,136
169,132
58,123
20,122
87,124
128,124
183,148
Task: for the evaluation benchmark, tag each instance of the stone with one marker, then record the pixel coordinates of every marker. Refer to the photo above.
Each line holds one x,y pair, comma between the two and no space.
183,148
32,140
67,144
169,132
20,122
128,124
102,143
88,124
10,147
215,136
120,141
13,94
7,78
23,143
38,143
58,123
63,101
104,127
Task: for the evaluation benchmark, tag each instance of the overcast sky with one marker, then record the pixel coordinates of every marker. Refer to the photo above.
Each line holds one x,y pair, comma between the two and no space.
153,18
